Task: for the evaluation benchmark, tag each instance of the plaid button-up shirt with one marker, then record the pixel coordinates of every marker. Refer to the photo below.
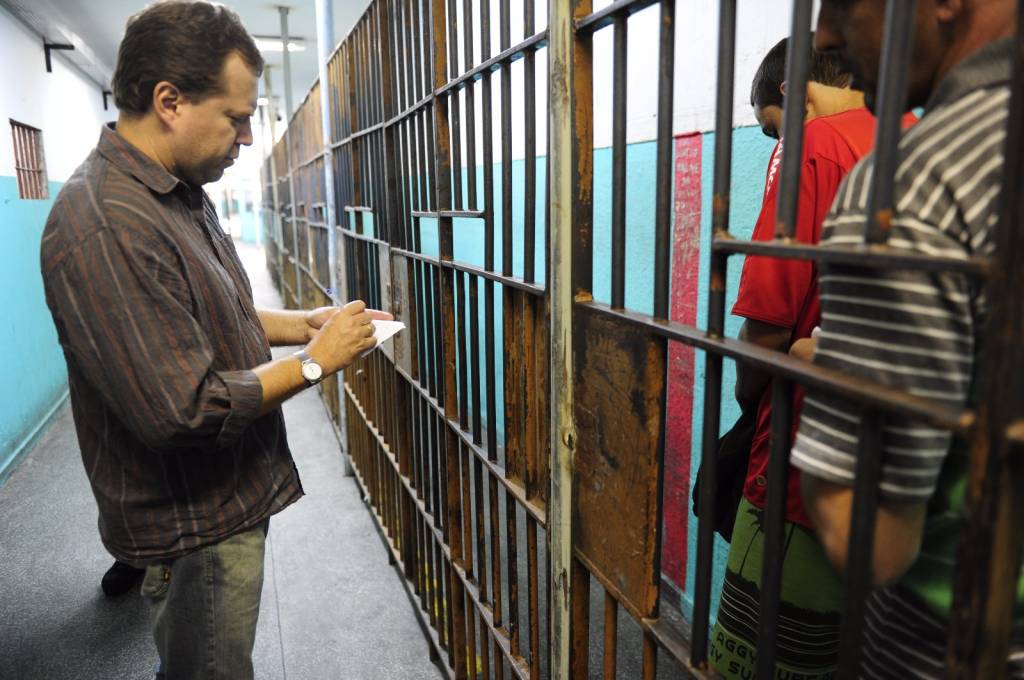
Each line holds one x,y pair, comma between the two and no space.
155,315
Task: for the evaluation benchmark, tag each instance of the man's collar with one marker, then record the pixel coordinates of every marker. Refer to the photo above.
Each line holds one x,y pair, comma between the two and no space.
988,67
131,160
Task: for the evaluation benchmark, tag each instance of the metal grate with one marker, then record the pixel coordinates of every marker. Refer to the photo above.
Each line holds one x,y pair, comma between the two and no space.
519,411
29,161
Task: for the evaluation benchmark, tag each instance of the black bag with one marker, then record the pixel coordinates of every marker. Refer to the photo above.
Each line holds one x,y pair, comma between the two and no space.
732,456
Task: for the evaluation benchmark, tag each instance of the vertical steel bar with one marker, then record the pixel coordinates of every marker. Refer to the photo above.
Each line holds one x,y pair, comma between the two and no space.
530,148
475,358
467,18
611,635
455,106
496,603
716,327
460,312
774,533
506,144
488,142
289,112
570,166
892,98
325,42
533,577
857,579
650,657
512,559
274,192
798,55
989,554
579,630
619,162
663,198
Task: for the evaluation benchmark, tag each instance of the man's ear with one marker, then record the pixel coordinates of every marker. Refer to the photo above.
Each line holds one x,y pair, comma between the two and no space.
167,101
782,88
948,10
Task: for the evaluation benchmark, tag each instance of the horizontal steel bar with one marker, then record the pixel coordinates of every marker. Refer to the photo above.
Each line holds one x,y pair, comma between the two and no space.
532,508
514,53
605,17
959,421
318,285
510,281
363,237
310,161
672,640
876,256
385,124
472,214
358,208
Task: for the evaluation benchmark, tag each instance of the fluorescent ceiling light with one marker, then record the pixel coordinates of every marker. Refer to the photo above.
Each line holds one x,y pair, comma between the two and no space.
268,45
262,101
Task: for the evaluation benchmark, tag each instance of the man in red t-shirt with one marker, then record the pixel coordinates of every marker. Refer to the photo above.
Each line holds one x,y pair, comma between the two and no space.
779,302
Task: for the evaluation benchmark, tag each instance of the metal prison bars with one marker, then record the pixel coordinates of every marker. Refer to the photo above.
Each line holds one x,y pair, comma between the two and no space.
573,464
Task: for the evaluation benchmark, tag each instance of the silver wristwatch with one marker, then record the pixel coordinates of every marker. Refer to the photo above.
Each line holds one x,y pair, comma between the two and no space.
311,371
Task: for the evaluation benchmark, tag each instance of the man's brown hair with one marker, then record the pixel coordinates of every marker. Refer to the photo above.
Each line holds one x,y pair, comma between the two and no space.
182,42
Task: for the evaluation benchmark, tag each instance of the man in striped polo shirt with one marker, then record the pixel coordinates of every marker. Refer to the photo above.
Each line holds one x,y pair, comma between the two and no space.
918,331
174,391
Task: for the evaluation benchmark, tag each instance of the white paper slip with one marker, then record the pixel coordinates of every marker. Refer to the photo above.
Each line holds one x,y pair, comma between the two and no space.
382,331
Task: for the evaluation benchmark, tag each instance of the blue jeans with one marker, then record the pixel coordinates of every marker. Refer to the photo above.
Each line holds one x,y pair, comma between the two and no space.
204,606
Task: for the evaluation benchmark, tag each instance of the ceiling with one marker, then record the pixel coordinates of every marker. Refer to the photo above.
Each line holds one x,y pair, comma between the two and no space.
99,24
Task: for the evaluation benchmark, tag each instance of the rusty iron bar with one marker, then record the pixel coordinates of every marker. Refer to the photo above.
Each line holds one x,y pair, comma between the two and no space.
467,18
774,533
591,23
959,421
798,57
504,33
989,554
571,157
663,197
529,148
716,328
611,634
618,296
857,578
873,256
490,64
892,99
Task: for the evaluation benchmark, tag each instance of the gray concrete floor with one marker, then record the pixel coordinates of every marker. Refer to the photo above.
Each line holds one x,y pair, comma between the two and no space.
333,609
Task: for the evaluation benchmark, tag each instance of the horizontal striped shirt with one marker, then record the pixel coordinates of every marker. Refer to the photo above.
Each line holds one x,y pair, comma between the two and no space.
155,315
913,330
921,332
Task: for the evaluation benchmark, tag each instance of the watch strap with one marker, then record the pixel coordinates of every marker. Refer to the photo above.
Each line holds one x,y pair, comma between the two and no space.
304,359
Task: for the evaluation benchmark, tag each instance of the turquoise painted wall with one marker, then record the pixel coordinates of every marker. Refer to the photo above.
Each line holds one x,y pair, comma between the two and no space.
33,376
250,226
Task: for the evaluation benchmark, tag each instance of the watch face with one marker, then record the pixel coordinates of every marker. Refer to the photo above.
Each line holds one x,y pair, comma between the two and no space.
311,371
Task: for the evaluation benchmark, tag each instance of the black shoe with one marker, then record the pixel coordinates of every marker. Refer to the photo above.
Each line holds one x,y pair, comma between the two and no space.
120,578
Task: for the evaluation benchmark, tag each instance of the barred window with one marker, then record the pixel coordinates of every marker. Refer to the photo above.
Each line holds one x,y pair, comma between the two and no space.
29,161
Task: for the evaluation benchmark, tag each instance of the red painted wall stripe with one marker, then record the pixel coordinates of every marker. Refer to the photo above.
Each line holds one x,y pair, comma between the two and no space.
685,279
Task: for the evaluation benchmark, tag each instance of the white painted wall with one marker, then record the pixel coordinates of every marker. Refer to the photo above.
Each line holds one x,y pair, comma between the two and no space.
64,104
759,25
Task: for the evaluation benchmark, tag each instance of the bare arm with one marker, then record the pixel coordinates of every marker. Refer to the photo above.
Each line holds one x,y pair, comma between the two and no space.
285,327
336,337
750,382
898,528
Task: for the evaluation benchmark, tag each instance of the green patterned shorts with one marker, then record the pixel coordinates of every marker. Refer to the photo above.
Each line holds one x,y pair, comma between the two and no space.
808,627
